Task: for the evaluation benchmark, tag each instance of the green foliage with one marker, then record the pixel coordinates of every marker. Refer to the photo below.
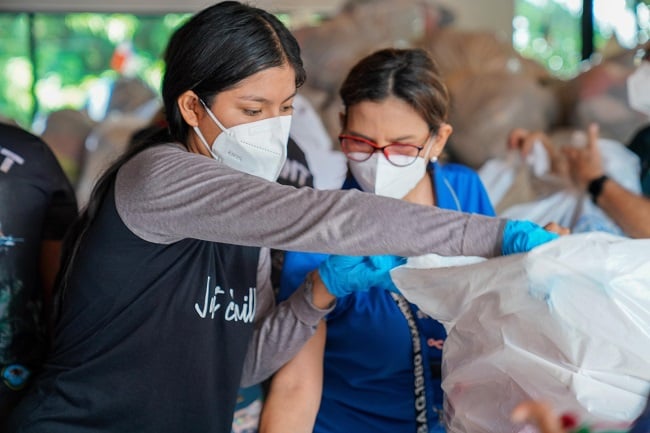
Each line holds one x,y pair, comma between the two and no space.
549,31
73,51
554,37
15,77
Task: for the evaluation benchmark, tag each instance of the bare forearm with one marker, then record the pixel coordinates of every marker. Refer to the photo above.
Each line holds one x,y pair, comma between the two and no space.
294,397
630,211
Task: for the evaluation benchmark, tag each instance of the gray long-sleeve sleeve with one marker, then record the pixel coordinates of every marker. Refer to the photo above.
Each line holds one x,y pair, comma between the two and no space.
165,194
280,331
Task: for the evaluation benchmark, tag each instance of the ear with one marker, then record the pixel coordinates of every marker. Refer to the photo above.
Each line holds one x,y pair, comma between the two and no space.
190,107
440,140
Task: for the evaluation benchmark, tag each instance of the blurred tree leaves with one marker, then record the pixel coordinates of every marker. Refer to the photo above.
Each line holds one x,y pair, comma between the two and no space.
549,31
72,51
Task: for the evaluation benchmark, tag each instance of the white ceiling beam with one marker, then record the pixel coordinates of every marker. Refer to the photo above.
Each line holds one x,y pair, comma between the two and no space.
159,6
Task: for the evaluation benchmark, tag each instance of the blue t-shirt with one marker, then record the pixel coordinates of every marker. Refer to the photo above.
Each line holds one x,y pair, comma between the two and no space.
368,371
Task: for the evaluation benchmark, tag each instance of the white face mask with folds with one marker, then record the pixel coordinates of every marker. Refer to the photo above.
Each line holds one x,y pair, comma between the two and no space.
638,88
258,148
379,176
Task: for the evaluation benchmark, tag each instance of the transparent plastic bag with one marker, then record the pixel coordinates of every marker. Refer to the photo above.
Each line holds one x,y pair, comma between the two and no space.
526,189
568,322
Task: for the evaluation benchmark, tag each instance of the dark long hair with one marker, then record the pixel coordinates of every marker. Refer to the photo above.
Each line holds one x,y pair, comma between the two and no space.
212,52
408,74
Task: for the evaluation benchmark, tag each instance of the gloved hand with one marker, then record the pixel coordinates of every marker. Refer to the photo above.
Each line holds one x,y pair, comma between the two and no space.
522,236
343,275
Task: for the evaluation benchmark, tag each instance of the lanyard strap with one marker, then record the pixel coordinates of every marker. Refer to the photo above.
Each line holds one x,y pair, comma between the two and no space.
418,365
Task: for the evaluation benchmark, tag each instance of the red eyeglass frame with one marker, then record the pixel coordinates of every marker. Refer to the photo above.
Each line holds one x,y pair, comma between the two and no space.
383,150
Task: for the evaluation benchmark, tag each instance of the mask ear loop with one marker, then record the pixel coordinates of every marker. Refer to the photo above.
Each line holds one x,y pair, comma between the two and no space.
213,117
202,137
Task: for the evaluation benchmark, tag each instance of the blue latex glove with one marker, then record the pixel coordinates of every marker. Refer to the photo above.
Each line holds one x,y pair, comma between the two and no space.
343,275
522,236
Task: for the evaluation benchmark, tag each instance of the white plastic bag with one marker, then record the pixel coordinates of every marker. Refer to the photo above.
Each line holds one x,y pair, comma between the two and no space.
546,199
568,323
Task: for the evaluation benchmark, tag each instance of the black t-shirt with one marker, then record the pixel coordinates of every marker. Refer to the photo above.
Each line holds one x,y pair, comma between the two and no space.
295,171
37,203
149,338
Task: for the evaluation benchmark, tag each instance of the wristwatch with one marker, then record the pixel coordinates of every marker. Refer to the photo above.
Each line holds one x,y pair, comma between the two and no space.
595,187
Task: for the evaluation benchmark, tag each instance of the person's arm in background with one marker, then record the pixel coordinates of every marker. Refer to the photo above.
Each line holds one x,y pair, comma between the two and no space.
295,392
629,210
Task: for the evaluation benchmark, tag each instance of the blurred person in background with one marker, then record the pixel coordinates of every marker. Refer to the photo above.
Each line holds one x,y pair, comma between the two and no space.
37,206
65,133
585,167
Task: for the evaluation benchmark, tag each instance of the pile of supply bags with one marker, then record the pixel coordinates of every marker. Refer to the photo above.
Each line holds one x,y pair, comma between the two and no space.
568,322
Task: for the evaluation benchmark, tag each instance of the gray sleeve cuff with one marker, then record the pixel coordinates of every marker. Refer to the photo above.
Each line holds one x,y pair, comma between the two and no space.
301,303
482,237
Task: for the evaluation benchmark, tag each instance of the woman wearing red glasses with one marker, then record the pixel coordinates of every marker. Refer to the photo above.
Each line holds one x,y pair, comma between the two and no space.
382,354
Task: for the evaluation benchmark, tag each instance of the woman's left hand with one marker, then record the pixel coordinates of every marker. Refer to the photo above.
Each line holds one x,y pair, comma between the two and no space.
554,227
539,414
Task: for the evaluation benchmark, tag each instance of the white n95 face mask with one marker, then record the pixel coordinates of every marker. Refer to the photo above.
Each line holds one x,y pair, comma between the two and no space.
258,148
638,88
379,176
